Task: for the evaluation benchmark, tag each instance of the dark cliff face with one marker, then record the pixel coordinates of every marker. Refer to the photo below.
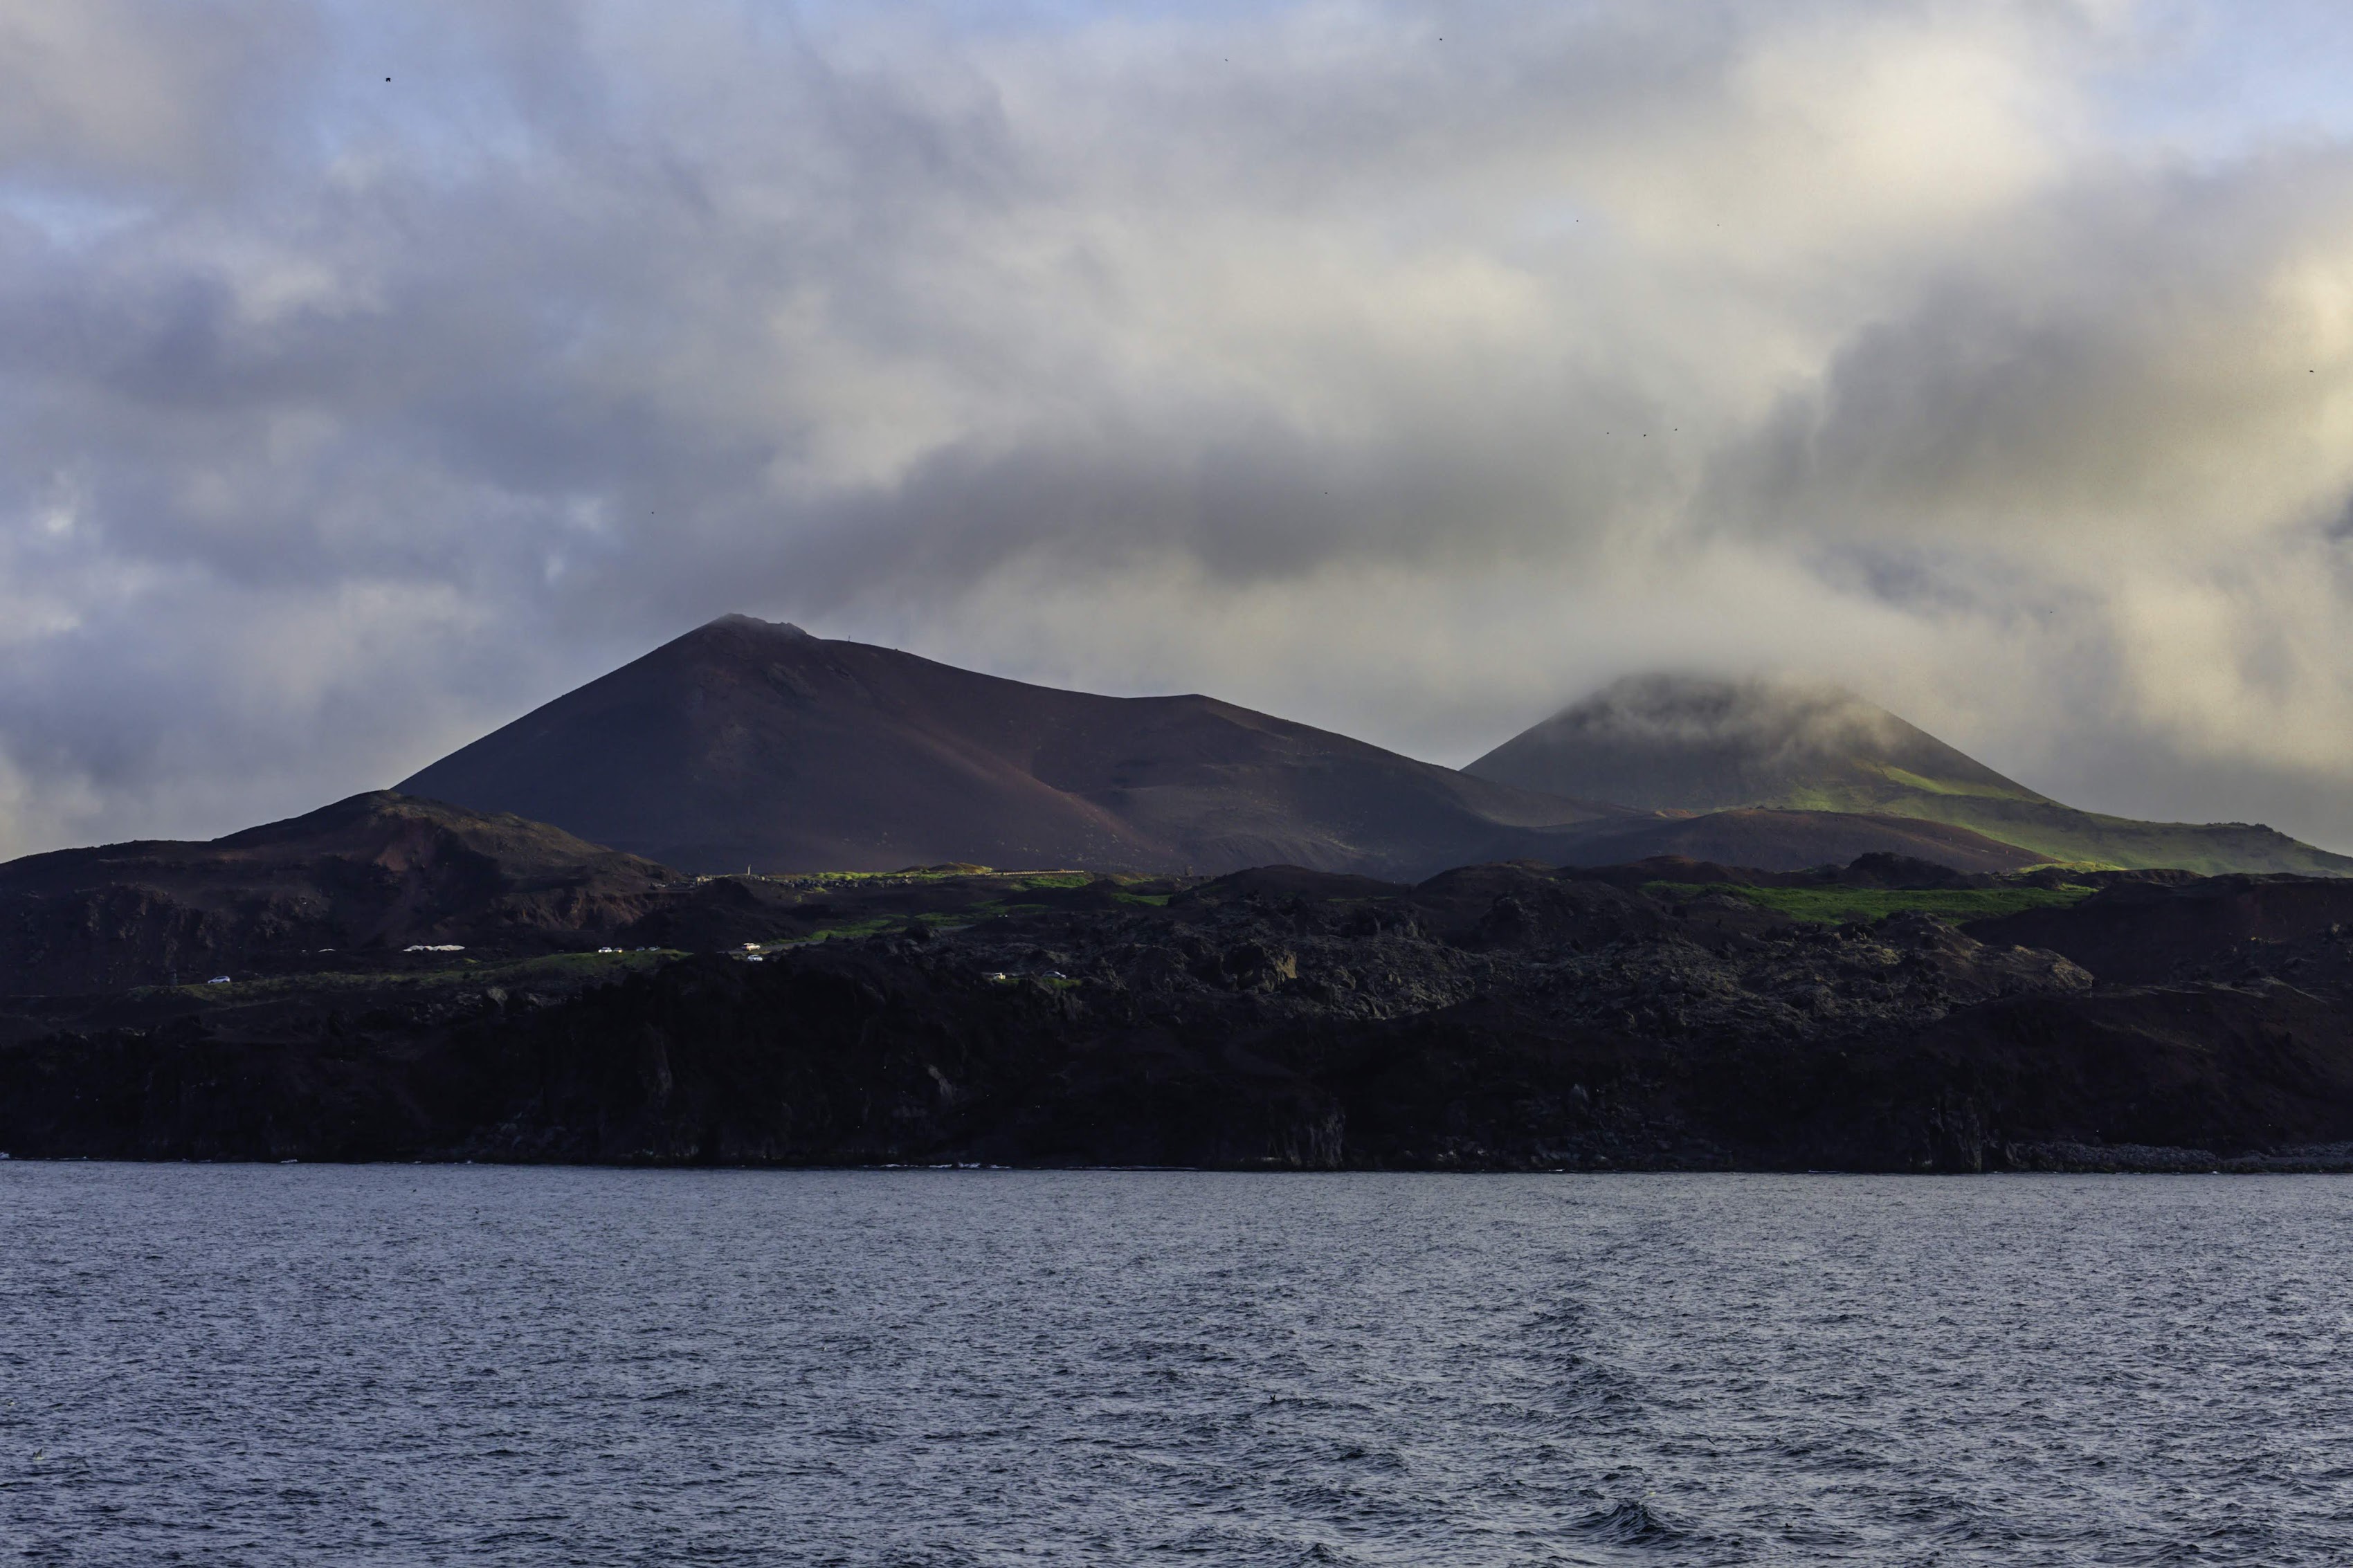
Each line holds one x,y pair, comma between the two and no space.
2144,933
1496,1016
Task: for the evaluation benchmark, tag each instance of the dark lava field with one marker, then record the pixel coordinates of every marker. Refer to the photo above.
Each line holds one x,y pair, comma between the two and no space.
1892,1016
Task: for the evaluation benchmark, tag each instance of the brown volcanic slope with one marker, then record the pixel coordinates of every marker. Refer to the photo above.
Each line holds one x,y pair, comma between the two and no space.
373,871
1797,841
745,743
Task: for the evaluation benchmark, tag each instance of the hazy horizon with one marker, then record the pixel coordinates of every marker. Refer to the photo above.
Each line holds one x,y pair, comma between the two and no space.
1412,371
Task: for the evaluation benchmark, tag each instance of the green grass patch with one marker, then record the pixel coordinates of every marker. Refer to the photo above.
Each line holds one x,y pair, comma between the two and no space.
970,914
469,973
849,878
1016,879
1924,786
1839,905
857,927
973,914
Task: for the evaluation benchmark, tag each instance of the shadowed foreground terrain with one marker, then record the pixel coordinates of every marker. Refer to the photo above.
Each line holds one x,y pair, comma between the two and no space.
1675,1013
366,876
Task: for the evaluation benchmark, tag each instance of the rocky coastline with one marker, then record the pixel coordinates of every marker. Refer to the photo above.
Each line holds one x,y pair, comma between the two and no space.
1508,1016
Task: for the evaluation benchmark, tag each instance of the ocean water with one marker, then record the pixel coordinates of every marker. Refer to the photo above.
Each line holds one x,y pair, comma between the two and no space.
393,1365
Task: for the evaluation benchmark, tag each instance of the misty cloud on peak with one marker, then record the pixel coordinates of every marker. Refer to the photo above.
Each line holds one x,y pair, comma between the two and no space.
1697,743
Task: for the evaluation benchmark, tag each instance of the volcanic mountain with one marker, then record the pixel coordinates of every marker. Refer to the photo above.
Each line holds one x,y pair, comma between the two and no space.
1686,743
375,871
745,743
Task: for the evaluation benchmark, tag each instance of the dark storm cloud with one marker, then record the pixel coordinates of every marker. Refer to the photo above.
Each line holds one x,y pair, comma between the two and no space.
1407,386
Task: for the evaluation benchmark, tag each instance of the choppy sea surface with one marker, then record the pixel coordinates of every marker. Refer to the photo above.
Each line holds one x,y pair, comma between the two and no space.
390,1364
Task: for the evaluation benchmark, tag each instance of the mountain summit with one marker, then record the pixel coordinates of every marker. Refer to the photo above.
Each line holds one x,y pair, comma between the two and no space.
744,743
1686,743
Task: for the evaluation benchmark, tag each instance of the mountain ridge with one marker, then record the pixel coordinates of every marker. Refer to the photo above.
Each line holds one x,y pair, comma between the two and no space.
374,871
1685,742
743,742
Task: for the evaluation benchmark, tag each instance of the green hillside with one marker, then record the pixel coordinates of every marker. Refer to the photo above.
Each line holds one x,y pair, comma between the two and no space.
1686,743
2063,832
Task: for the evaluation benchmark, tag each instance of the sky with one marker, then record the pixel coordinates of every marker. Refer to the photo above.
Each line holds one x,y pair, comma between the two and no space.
371,373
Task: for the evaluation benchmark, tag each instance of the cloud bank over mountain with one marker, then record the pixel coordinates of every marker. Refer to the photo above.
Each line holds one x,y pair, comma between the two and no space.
370,375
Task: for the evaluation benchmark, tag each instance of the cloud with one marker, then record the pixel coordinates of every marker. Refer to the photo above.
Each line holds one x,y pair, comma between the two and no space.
1408,369
104,94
